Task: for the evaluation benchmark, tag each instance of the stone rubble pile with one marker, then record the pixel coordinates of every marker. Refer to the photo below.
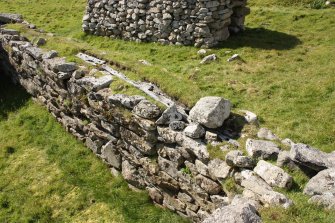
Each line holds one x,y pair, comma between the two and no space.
182,22
166,152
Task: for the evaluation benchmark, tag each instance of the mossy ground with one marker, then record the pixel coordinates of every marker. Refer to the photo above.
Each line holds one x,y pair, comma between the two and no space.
287,78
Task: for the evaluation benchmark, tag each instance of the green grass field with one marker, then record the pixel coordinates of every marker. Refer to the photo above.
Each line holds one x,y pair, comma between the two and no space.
287,79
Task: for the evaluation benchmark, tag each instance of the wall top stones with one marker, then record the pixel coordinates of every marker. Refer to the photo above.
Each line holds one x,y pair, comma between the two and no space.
202,23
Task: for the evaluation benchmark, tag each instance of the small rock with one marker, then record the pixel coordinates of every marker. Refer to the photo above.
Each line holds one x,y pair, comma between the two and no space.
177,125
239,211
284,159
50,54
125,100
208,59
35,52
201,168
63,76
95,84
323,182
250,117
40,42
218,169
32,26
147,110
66,67
111,155
273,175
155,195
234,57
202,52
115,172
208,185
235,158
194,131
77,74
262,149
171,114
211,136
287,142
144,62
196,147
130,174
311,157
265,133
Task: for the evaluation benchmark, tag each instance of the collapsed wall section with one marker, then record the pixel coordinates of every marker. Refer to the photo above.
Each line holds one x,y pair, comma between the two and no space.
163,152
120,129
184,22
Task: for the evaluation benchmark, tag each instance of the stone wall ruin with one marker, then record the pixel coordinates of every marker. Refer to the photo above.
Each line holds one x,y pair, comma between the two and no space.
166,152
202,23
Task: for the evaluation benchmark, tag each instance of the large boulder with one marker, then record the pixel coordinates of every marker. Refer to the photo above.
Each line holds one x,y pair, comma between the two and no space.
240,210
210,111
273,175
311,157
262,149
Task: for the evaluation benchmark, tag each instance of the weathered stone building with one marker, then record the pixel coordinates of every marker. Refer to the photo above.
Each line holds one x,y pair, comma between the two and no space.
183,22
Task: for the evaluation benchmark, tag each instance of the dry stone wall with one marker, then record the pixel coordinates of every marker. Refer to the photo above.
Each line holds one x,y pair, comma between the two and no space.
165,152
182,22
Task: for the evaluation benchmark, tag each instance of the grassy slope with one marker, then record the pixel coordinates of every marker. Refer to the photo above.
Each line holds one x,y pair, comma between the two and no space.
287,78
48,176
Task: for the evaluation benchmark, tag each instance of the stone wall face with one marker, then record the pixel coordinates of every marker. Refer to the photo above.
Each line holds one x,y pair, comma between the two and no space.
183,22
122,132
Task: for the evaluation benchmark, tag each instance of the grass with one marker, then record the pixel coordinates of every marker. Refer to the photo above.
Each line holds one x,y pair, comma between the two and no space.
287,77
46,175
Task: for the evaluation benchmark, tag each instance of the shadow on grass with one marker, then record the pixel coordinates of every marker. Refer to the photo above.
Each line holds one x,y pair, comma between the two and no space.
261,38
12,96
